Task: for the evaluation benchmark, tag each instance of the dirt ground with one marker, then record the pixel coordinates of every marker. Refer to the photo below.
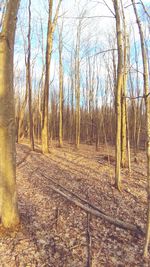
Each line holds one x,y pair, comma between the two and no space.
57,232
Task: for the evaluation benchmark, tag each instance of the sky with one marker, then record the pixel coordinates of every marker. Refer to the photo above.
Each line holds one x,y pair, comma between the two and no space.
98,34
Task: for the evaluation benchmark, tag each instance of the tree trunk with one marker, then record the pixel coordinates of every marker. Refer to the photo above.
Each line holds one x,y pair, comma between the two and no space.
45,124
45,119
22,112
8,196
77,87
123,106
118,96
147,103
29,80
60,92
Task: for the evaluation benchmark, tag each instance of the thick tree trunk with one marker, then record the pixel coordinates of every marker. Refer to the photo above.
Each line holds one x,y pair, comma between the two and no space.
8,196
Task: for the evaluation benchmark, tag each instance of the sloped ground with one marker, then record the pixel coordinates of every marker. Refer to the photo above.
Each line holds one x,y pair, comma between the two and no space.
56,232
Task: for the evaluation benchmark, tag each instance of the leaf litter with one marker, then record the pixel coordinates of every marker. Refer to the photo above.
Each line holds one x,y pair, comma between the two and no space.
54,231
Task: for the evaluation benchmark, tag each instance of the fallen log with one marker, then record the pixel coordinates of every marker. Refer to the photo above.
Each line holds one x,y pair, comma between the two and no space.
93,210
73,194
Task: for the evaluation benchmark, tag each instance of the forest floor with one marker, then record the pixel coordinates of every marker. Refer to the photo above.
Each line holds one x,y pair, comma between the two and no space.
55,228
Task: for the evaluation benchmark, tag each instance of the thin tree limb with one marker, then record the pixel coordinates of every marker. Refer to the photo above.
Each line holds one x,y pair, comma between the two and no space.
88,17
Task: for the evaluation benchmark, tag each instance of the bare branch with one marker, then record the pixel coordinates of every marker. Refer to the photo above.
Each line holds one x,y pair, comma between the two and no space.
145,9
56,15
109,8
136,97
105,51
88,17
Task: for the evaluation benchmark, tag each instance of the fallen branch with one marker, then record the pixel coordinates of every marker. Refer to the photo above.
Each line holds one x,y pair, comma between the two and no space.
89,242
93,210
73,194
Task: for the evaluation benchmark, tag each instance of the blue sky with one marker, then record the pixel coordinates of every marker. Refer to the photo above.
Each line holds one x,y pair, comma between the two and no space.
94,36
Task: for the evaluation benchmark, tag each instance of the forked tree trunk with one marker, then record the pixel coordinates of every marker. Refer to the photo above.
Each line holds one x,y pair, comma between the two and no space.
8,196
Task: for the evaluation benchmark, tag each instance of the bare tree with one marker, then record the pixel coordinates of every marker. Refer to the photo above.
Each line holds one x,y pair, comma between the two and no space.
123,93
29,83
50,32
118,95
60,89
77,85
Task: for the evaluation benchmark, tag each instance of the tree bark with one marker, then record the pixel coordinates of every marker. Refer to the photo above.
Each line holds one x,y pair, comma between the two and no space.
123,104
45,119
8,195
118,95
29,80
147,104
60,91
77,87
